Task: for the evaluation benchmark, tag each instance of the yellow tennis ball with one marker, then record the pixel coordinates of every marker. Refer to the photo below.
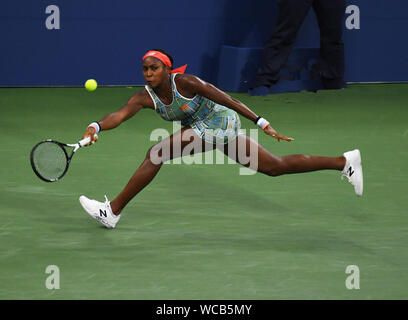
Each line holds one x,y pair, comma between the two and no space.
91,85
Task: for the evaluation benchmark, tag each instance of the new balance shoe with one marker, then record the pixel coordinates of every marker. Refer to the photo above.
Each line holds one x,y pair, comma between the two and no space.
353,170
100,211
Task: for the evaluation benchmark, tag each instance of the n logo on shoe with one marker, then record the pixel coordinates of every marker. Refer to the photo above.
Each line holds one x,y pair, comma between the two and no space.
102,213
350,171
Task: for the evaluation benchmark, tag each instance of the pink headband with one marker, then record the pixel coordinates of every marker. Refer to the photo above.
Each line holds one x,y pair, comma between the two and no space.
165,59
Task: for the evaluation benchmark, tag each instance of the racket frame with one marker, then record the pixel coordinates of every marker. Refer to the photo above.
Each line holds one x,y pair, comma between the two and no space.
76,146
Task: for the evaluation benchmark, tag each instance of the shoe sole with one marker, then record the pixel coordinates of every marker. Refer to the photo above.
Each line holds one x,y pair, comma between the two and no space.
359,173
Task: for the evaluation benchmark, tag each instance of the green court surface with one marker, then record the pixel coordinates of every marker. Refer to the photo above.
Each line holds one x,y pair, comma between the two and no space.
203,231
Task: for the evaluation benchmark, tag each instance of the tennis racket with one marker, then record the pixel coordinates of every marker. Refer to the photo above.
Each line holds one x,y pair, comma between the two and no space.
50,159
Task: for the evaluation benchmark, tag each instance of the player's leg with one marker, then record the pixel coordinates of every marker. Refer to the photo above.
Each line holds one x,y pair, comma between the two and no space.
168,149
250,153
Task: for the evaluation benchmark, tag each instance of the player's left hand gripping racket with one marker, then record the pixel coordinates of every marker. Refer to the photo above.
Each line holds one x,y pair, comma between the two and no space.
50,160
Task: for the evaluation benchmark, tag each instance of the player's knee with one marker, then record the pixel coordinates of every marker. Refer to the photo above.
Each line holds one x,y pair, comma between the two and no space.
275,168
274,172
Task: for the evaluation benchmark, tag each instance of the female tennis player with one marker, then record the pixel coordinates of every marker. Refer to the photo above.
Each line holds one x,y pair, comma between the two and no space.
209,116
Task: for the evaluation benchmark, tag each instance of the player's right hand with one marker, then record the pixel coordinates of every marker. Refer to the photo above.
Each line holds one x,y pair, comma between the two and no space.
91,133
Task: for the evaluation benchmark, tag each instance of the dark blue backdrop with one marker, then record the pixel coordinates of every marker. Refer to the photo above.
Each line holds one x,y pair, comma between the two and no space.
105,39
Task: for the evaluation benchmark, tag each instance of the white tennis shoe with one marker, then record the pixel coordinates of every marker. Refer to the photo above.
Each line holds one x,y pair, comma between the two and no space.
100,211
353,170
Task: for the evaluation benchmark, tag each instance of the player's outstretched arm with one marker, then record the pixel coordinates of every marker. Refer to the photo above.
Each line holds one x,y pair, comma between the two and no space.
195,85
136,102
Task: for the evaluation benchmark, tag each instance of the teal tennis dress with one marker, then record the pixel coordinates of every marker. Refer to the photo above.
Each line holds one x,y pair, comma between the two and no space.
212,122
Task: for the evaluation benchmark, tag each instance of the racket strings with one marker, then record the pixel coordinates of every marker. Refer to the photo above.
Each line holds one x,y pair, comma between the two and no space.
49,160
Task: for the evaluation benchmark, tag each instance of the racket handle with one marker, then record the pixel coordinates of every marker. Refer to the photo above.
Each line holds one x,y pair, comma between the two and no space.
85,141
